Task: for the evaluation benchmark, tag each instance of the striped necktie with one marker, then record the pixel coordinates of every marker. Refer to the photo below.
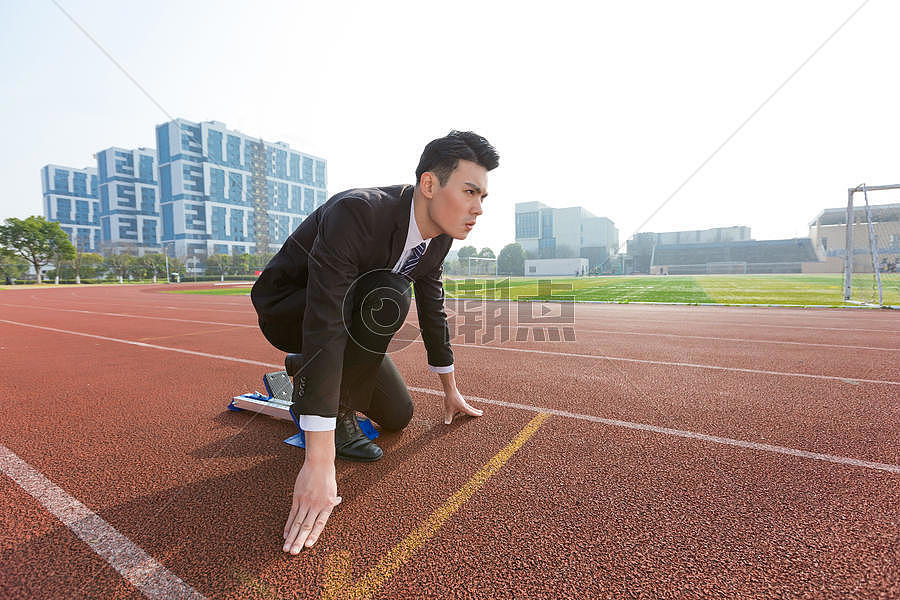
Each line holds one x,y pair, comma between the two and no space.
413,259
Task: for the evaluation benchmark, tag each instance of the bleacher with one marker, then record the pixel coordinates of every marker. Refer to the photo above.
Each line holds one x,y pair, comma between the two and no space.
750,256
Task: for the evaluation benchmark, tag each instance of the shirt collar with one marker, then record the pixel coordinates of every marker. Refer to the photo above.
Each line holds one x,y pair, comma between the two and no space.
413,235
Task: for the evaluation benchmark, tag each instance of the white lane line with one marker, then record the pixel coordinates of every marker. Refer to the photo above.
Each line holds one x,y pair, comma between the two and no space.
497,348
673,364
131,316
698,323
723,339
132,563
664,430
145,345
685,434
614,332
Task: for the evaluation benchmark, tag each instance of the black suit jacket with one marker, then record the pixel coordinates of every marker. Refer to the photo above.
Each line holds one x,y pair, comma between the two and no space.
301,293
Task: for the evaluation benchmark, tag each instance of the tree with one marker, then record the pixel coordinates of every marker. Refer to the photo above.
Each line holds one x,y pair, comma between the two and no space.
218,263
466,252
486,253
62,253
151,265
12,265
120,264
240,264
35,239
85,263
511,260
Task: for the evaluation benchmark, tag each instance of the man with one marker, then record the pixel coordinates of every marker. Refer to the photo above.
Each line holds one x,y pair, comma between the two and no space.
339,289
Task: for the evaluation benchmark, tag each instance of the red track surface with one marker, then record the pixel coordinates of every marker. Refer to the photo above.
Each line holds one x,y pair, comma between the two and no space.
583,510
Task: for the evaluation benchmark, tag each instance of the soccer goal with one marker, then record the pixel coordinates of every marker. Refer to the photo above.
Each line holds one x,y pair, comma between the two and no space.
872,248
480,267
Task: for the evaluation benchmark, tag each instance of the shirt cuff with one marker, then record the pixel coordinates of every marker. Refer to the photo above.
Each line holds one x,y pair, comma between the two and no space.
447,369
317,423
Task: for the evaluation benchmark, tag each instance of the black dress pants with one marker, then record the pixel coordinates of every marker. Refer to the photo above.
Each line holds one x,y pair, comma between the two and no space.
370,381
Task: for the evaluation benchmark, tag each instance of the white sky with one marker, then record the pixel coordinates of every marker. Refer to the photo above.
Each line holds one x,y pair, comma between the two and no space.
607,105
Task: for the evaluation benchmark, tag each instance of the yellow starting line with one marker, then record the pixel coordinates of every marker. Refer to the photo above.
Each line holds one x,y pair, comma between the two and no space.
337,567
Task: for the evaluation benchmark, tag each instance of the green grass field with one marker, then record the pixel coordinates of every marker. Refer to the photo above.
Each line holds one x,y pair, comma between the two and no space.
823,290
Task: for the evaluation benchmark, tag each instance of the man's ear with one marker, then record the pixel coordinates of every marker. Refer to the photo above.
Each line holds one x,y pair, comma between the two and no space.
427,184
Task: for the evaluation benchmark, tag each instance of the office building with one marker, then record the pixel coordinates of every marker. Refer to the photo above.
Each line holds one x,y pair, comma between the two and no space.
129,201
70,198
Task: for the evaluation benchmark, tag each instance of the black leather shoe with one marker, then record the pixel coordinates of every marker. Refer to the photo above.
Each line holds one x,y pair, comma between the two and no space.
350,443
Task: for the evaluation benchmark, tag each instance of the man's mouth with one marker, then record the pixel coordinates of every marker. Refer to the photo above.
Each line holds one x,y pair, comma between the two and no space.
470,225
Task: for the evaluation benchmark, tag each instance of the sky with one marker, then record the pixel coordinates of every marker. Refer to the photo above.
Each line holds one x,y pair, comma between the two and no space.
659,115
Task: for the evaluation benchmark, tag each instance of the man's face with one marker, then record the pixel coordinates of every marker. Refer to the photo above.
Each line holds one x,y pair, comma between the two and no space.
455,206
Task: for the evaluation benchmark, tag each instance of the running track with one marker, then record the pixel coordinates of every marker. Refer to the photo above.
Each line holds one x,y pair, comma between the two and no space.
666,452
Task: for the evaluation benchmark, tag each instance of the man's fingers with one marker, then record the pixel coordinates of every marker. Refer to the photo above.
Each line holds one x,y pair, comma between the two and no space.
471,410
318,526
304,532
294,528
290,519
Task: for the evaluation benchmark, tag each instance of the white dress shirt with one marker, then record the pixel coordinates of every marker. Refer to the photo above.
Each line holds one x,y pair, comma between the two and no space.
413,239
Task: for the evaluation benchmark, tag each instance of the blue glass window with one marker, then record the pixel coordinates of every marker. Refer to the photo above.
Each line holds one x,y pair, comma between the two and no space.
527,225
146,169
63,210
234,151
237,225
82,212
307,170
79,184
61,180
165,184
128,228
214,145
309,200
217,184
218,223
124,163
295,167
148,232
162,142
320,173
148,200
168,222
125,195
193,178
235,187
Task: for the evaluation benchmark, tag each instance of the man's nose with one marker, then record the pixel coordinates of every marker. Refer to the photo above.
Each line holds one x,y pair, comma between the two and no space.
477,209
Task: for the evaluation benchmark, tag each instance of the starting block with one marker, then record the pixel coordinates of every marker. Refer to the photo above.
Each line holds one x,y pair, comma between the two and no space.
278,403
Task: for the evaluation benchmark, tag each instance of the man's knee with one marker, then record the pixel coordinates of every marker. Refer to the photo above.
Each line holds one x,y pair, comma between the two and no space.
398,417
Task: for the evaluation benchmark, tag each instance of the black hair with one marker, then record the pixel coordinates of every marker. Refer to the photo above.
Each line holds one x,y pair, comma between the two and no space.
441,156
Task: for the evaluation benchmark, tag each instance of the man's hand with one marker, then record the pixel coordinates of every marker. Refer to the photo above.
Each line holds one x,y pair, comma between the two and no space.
454,404
315,493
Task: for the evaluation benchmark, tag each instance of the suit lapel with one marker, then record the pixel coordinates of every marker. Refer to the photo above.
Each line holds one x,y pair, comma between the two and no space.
401,225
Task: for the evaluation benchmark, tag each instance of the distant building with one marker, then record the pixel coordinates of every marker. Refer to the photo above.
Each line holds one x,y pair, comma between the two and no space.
129,200
223,192
570,267
70,198
829,231
573,232
641,247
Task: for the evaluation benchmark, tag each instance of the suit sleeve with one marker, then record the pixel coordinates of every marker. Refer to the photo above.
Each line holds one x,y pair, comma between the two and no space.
334,264
429,290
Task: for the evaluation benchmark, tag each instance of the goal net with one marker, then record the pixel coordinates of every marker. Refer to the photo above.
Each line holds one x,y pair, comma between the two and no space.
872,233
479,267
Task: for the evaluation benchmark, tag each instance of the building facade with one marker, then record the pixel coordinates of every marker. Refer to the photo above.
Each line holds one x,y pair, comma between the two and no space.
828,231
572,232
129,201
641,248
223,192
70,198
